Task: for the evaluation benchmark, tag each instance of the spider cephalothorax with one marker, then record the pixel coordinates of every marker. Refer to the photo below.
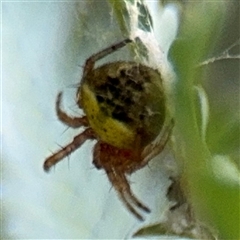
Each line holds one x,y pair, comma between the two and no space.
125,111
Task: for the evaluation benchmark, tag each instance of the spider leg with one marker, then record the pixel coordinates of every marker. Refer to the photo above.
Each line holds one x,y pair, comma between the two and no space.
89,65
67,150
74,122
96,155
153,149
132,196
122,187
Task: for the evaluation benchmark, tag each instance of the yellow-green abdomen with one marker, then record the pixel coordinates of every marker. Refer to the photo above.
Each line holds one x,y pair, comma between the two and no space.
124,103
108,129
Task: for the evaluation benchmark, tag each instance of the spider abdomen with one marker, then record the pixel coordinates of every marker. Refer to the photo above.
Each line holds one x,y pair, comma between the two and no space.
124,103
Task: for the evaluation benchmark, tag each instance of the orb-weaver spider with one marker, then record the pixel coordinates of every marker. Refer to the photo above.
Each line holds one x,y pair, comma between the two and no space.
125,111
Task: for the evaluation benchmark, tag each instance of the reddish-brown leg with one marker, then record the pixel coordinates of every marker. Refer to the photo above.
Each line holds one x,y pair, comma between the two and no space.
89,65
153,149
122,187
96,155
74,122
67,150
116,175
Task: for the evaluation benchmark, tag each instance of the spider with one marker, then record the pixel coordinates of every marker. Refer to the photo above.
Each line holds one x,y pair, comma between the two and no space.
124,106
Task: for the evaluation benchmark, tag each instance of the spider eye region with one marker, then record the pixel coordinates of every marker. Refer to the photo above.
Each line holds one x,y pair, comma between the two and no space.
124,102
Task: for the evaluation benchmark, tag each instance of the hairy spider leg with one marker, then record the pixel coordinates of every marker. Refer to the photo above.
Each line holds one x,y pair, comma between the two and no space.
67,150
89,65
123,189
73,122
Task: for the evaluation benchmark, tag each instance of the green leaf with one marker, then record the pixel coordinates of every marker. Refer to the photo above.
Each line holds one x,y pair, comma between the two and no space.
214,202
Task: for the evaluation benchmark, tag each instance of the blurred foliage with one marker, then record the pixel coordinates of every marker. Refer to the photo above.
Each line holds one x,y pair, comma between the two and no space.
214,201
123,16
